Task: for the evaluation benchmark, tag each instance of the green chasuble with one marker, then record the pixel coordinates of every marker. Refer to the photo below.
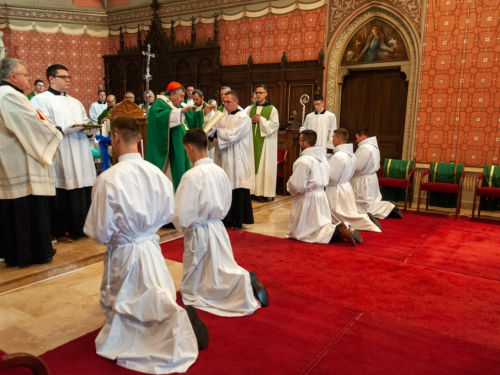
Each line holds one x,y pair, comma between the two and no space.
104,114
164,145
29,96
444,172
258,140
394,168
491,178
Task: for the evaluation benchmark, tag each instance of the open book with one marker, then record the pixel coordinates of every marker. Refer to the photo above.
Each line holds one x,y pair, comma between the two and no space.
88,126
213,121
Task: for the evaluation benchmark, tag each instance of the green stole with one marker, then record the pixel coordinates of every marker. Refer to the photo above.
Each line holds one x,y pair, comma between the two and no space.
258,140
203,106
29,96
444,172
401,169
165,144
221,108
102,115
491,178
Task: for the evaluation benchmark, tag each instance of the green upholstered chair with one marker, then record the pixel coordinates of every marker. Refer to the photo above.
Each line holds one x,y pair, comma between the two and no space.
443,186
487,189
397,181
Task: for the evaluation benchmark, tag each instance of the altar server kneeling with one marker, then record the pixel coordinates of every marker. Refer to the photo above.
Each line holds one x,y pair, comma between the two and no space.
145,329
212,279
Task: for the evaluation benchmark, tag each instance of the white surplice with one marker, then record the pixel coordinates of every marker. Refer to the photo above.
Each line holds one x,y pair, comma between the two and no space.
339,190
145,329
74,166
265,178
208,116
310,219
365,181
324,124
27,148
234,150
212,280
96,109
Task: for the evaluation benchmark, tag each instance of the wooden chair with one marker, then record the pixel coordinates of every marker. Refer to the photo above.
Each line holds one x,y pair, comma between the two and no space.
491,180
398,174
280,173
448,172
19,360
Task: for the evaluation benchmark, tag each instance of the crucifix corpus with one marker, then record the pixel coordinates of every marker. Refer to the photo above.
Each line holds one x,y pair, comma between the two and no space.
148,76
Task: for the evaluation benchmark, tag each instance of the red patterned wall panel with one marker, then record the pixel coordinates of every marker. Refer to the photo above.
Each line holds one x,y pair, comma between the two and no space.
459,101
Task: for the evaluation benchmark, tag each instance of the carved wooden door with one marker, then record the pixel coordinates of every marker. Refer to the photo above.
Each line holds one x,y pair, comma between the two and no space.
376,99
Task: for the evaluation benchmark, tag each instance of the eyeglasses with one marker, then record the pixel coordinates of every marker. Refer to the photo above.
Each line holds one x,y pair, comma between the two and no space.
228,101
21,74
260,92
63,77
110,101
129,97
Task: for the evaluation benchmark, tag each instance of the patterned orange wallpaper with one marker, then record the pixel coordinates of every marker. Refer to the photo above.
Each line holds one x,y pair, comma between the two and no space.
459,97
81,54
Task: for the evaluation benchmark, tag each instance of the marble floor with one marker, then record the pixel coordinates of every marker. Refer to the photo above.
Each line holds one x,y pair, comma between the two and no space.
50,312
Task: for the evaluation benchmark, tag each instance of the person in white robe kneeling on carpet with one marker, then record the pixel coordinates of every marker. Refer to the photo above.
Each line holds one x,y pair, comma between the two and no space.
339,189
145,330
365,182
212,279
310,219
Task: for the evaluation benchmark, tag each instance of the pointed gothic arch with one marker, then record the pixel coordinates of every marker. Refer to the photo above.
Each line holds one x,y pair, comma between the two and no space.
335,73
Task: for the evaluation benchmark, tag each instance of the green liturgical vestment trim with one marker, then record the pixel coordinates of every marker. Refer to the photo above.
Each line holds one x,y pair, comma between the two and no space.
448,173
491,178
401,169
258,140
165,144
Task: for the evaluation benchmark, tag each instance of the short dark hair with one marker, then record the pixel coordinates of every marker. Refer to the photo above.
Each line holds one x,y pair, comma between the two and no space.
310,136
233,93
168,92
190,86
318,97
363,131
198,91
52,70
342,133
261,85
128,128
38,80
98,92
197,138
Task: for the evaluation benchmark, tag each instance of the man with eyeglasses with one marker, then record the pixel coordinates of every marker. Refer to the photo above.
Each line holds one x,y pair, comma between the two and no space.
39,88
323,122
129,96
167,124
265,125
27,149
98,107
75,169
234,153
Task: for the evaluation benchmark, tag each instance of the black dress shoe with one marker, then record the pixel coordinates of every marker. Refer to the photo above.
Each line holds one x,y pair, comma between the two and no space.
374,220
200,329
355,234
259,290
237,228
396,213
345,233
46,260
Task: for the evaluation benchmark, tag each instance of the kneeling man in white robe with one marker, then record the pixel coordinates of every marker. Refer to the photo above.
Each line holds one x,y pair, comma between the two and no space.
365,181
310,219
145,330
212,279
339,189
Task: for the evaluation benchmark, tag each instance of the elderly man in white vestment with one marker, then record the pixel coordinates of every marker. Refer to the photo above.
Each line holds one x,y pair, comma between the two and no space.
365,181
27,151
265,125
323,122
212,279
310,219
98,107
145,330
233,141
75,169
339,189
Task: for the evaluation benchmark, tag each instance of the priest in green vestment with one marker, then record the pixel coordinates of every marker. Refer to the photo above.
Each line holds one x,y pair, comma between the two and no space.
167,124
39,88
110,101
265,125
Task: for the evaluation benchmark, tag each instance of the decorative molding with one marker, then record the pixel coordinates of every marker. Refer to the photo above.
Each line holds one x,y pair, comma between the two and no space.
339,10
53,15
334,79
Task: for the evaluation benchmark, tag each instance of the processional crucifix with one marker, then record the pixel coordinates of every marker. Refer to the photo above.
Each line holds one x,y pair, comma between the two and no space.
148,77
